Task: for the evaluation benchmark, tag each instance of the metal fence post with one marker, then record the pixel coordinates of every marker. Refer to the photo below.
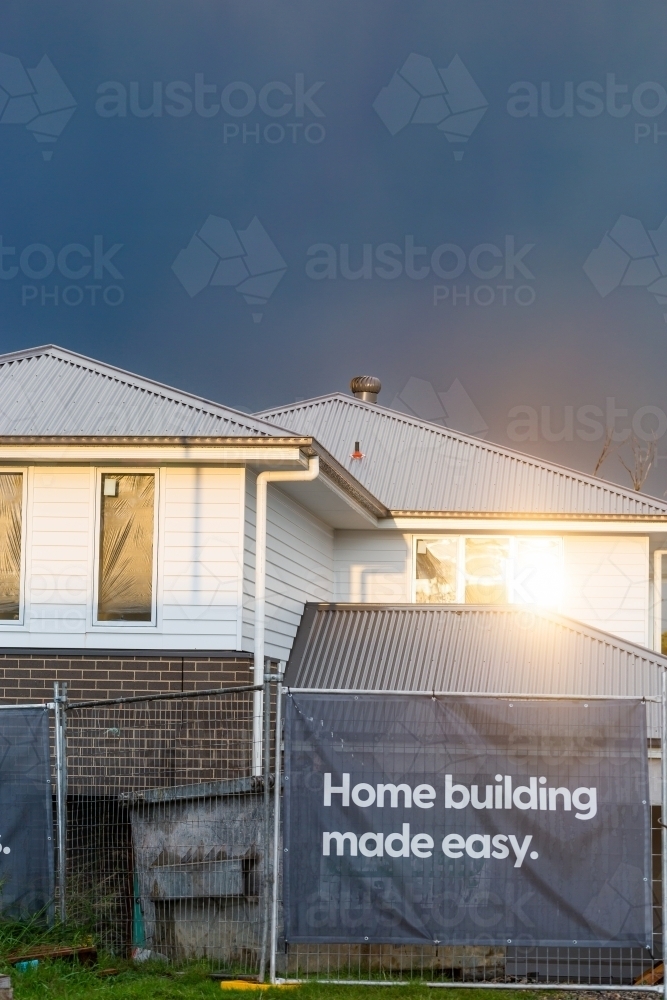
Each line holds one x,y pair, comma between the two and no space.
59,702
266,834
276,828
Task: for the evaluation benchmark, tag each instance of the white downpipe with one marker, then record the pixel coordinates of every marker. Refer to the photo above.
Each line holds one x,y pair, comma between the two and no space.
312,472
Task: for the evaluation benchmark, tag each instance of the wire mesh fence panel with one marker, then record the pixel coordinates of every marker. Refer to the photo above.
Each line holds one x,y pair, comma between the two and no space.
169,845
461,964
519,964
167,829
586,967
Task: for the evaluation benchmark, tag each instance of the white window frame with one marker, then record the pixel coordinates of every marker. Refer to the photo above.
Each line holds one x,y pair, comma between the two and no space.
460,564
8,626
125,471
657,598
460,560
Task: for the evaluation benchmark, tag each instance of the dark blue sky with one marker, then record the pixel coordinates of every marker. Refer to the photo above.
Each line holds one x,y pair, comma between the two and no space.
183,85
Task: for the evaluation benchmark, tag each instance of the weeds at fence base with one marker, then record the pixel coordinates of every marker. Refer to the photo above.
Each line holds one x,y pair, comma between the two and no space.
21,935
58,981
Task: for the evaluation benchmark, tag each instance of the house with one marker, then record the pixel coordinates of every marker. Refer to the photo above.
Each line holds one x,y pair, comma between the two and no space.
471,522
153,541
141,527
127,531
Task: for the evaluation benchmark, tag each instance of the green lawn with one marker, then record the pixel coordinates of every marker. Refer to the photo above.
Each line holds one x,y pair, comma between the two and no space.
60,980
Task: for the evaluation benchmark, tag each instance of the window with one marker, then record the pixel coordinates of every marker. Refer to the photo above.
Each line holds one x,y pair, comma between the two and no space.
11,503
660,601
486,570
127,528
459,569
437,571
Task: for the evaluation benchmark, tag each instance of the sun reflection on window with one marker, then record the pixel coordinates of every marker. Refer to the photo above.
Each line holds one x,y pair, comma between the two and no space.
483,569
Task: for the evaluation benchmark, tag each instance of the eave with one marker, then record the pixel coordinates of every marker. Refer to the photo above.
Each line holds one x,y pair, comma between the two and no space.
289,452
428,521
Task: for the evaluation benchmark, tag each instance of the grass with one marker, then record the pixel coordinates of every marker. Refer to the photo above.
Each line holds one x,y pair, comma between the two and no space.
62,980
59,980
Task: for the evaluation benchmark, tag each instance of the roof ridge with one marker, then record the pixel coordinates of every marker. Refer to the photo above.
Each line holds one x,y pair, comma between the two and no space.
135,380
490,446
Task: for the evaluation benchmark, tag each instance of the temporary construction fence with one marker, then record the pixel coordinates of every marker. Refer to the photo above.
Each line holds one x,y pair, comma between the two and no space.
170,845
164,832
371,899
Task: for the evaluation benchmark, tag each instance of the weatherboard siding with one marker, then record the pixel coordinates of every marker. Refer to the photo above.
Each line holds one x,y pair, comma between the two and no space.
202,555
607,583
206,555
299,567
372,567
199,540
606,577
58,576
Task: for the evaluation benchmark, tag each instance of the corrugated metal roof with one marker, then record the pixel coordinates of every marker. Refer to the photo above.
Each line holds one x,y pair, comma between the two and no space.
414,466
51,391
448,648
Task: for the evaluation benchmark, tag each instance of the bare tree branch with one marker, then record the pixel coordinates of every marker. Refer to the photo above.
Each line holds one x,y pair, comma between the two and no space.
643,457
607,448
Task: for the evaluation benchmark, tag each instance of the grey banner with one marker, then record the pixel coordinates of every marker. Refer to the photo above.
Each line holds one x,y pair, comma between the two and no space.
26,818
466,821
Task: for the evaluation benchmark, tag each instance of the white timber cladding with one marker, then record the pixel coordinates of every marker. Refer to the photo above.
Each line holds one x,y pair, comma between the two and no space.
606,577
199,539
372,567
299,567
59,519
205,565
202,548
607,583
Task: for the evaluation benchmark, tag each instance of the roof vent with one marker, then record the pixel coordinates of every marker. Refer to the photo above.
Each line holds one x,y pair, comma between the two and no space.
366,387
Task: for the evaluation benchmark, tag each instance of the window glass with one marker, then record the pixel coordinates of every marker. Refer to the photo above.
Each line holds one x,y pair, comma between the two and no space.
517,570
11,501
537,576
126,548
662,612
436,571
486,570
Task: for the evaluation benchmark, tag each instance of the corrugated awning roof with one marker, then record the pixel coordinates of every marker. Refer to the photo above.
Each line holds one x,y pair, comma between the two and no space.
415,467
49,391
465,649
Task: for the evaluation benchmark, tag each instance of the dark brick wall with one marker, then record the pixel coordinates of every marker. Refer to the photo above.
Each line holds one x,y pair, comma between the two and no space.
29,676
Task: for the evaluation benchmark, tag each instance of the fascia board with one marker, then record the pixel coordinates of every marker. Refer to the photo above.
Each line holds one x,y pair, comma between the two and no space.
593,525
270,455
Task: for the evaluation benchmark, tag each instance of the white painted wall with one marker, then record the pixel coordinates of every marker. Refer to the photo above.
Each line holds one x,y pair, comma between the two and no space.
199,542
299,567
205,584
607,583
372,567
201,556
606,576
58,524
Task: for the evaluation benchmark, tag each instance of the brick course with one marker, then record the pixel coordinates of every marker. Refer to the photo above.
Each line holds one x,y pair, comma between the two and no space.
28,676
